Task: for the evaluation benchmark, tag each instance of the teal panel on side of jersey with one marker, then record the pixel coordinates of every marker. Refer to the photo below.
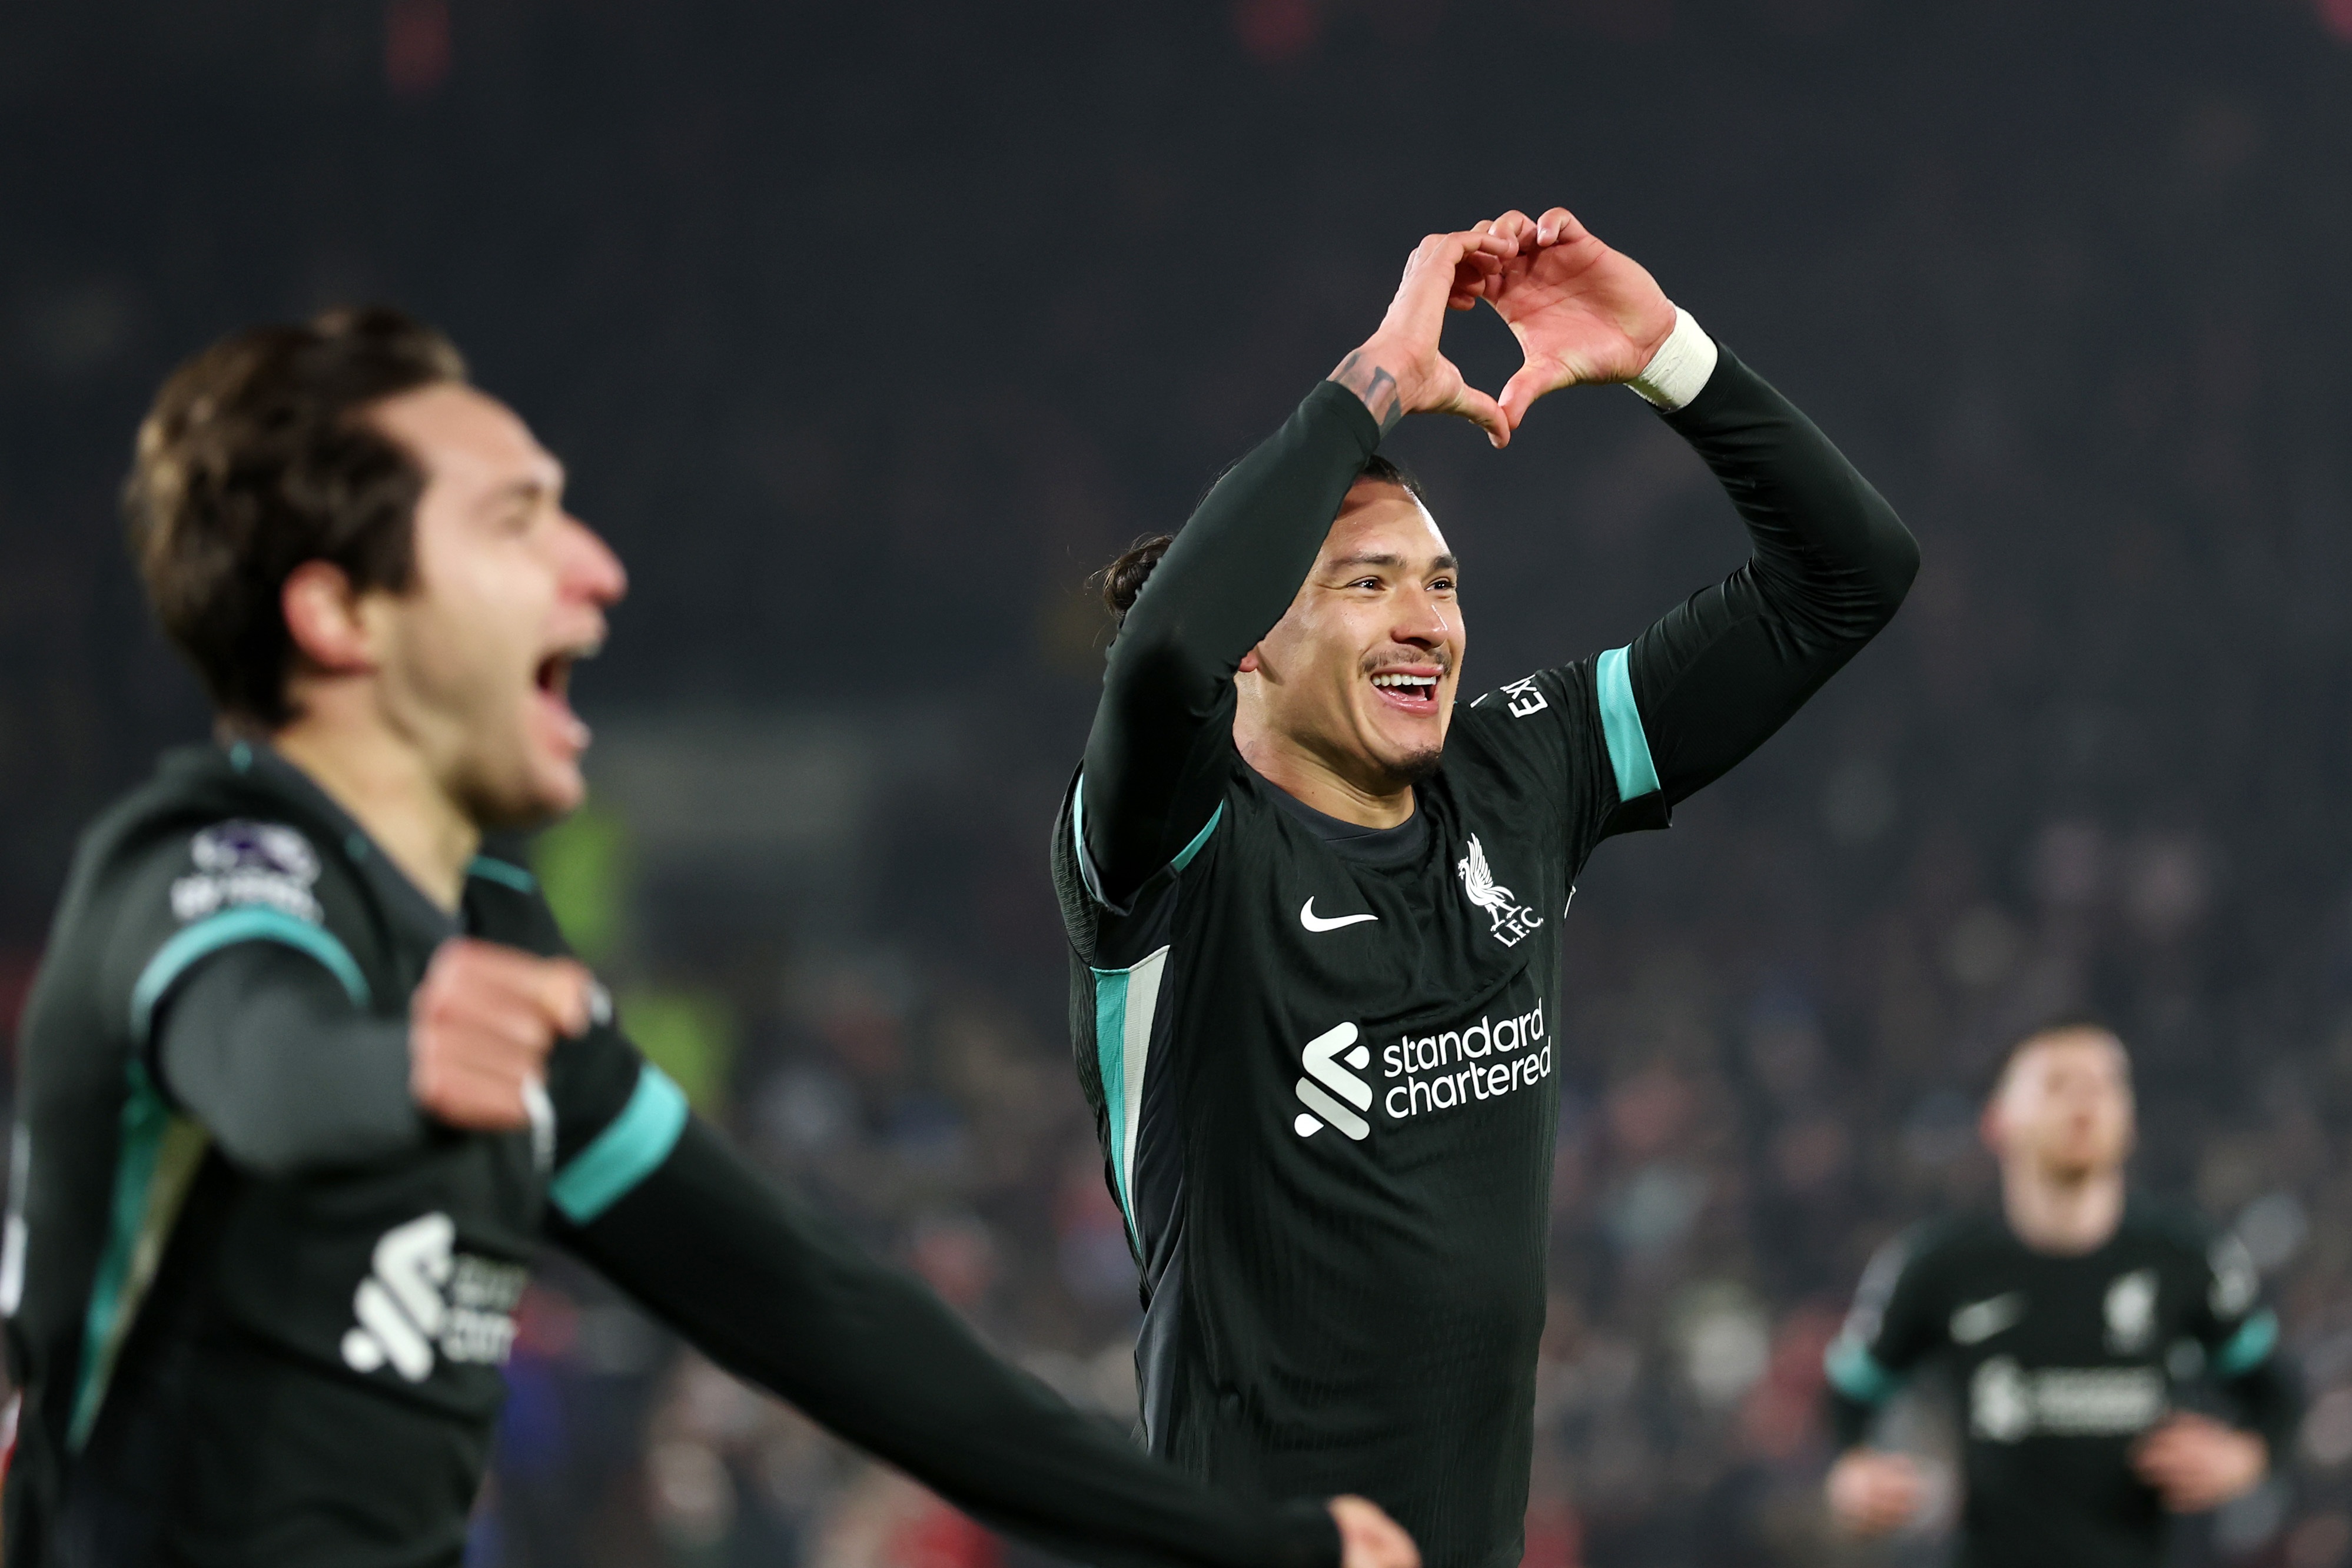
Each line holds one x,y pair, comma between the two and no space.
1111,1055
2249,1347
502,871
252,922
628,1151
157,1164
1621,722
1855,1373
1126,1000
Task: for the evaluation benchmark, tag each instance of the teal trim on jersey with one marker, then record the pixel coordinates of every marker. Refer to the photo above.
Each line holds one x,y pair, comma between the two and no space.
1126,1001
1621,722
252,922
2249,1347
503,871
1085,861
1855,1373
630,1148
156,1165
1184,856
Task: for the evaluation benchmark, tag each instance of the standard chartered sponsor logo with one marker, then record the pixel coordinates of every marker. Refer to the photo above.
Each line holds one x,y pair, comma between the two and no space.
423,1298
1491,1058
1326,1078
2006,1402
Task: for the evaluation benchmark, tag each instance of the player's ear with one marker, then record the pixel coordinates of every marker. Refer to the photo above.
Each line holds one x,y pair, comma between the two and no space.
323,617
1991,1127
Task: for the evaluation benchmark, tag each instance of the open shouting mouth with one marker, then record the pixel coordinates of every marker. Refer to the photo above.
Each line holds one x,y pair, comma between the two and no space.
552,680
1409,688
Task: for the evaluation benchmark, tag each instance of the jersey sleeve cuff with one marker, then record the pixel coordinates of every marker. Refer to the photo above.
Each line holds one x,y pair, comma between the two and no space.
1350,409
632,1147
1681,368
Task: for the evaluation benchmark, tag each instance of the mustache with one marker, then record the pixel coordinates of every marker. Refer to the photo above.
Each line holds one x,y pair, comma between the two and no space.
1374,665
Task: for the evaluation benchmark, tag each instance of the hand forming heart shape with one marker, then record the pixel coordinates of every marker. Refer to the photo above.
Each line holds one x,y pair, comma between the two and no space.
1582,312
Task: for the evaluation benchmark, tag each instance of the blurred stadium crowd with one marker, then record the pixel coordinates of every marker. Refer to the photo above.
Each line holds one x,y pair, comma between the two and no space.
870,330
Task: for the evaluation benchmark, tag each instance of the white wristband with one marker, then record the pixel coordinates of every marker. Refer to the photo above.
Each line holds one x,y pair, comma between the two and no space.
1678,372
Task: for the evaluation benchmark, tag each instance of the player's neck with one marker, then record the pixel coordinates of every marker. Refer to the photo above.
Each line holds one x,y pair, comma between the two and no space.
2055,1214
1310,781
386,785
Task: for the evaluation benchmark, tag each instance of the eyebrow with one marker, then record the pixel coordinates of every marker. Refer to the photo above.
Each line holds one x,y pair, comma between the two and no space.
528,489
1436,562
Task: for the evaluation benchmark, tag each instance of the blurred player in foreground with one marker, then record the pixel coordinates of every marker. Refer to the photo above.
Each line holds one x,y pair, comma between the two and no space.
2068,1319
308,1080
1317,905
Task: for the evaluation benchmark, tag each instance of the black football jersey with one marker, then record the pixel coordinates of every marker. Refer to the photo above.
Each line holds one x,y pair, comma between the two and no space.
1327,1080
217,1365
2059,1365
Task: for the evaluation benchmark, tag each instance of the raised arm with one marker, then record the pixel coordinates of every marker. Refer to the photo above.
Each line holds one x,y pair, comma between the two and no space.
1829,565
782,1299
1152,772
1830,560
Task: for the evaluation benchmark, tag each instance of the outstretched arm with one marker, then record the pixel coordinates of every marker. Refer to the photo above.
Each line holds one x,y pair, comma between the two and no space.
782,1299
1830,560
1152,777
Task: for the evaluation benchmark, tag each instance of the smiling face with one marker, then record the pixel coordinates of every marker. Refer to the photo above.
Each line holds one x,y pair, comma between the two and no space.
1359,676
2064,1107
474,659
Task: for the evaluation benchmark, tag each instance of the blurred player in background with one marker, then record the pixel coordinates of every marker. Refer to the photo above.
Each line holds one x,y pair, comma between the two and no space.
1315,905
2068,1321
307,1078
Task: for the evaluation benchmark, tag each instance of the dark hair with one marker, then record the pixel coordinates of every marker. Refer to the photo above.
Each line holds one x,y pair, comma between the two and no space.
1124,578
2061,1023
254,461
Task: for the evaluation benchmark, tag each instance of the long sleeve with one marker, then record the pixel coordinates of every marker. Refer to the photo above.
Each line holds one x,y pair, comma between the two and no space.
1830,562
1151,778
782,1298
2269,1397
1892,1326
2239,1332
265,1047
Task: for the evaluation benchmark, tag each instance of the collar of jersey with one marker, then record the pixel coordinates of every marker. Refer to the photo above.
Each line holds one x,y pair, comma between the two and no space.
257,766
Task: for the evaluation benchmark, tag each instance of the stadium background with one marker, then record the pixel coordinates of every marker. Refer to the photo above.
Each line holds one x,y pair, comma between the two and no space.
869,330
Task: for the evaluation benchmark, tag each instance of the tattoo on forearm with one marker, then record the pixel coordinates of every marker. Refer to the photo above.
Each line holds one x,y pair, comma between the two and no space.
1375,386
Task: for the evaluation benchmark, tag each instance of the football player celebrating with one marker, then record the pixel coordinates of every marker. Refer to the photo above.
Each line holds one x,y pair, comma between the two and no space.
2069,1319
308,1079
1315,901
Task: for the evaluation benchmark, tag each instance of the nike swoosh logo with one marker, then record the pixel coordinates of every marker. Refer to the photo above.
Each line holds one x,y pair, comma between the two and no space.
1982,1319
1313,922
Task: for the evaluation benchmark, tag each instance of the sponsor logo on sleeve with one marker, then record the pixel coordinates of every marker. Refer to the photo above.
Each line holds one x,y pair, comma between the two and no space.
2236,1282
1512,920
425,1300
1526,697
239,863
